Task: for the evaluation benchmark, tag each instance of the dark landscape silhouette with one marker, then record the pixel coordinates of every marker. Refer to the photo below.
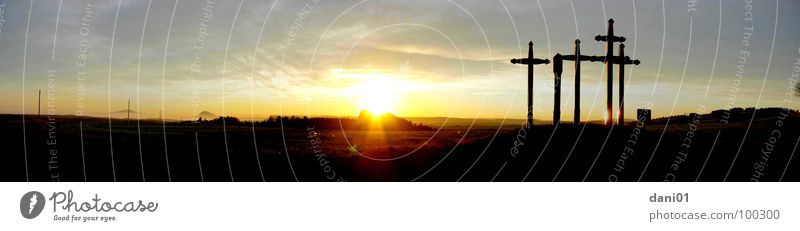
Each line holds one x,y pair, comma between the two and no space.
590,152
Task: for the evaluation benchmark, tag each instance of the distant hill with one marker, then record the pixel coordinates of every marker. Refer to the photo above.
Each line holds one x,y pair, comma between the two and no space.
733,115
476,123
123,114
386,121
206,115
365,121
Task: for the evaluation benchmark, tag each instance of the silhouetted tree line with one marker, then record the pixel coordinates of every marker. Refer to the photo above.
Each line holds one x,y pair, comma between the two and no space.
366,121
736,113
229,120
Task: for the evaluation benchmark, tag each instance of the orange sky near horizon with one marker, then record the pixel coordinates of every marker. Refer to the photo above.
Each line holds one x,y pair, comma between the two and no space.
412,59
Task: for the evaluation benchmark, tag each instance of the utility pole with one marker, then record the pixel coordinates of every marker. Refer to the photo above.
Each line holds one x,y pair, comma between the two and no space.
39,112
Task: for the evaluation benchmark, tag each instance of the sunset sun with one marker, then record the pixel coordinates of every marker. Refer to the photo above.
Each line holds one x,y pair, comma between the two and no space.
376,96
374,91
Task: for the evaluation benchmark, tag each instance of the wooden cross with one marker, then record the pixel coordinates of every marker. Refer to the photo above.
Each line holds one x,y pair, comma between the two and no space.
623,60
530,61
578,58
610,39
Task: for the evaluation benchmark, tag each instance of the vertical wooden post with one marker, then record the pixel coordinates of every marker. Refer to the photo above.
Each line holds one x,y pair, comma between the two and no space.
577,116
530,61
621,119
530,85
610,39
557,69
39,112
578,58
609,72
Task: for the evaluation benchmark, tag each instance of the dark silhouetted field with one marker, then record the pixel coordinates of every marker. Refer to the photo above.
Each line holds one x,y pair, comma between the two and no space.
153,151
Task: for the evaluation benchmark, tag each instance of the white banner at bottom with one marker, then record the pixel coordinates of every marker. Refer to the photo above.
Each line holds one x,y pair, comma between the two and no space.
399,206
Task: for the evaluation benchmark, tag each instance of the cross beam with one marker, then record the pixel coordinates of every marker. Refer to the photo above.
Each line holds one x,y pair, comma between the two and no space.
622,61
610,39
578,58
530,61
557,69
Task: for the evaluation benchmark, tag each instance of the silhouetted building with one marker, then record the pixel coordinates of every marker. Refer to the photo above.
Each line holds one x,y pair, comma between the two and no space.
643,114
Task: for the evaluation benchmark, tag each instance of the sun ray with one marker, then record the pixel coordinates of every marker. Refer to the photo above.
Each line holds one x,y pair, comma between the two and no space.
376,93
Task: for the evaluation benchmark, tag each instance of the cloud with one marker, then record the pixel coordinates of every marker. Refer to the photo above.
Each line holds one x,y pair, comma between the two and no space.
448,46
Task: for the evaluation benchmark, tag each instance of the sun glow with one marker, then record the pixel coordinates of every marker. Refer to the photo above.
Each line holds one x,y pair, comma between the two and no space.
376,94
377,100
381,91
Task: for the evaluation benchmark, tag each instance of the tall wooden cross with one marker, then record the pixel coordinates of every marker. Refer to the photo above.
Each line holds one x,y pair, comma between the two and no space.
623,60
530,61
610,39
578,58
557,68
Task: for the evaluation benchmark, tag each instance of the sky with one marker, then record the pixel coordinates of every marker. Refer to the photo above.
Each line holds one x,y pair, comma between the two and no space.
253,58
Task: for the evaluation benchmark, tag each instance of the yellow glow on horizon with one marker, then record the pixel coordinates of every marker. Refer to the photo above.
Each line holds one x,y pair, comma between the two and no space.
376,93
376,98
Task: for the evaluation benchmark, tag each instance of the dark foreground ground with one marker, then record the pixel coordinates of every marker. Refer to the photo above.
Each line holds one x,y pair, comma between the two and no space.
84,148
